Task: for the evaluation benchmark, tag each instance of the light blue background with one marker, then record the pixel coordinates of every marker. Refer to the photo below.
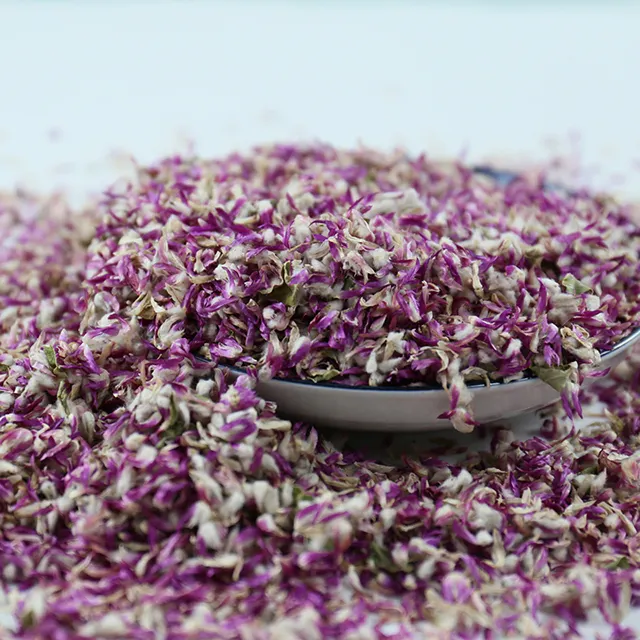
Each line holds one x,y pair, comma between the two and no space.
493,78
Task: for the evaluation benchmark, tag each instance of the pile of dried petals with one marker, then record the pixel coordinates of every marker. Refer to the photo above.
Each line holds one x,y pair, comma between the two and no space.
143,496
368,268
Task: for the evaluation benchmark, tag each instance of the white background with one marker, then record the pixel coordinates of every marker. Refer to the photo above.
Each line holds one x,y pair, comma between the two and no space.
79,81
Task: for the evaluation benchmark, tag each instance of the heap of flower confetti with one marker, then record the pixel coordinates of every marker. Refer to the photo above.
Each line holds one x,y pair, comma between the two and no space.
144,496
367,268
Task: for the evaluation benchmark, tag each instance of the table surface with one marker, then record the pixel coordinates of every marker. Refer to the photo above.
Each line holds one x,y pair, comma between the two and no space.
83,83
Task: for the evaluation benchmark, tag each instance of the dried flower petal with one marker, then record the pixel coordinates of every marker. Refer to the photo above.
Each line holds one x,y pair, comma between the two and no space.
146,494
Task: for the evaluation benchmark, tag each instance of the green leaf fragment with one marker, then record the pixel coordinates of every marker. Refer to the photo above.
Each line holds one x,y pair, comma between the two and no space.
349,283
382,558
29,620
286,294
621,563
324,376
555,377
175,424
50,355
63,397
574,286
592,470
300,494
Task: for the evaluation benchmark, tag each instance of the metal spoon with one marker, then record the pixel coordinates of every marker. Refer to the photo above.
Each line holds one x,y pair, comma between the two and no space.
416,408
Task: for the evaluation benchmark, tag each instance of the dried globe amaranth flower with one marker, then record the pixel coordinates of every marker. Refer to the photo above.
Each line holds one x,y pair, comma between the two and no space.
143,495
